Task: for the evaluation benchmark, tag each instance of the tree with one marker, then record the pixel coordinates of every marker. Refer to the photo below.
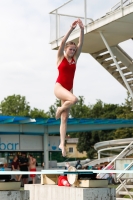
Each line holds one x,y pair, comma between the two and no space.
86,142
35,113
98,110
80,110
110,111
123,133
126,113
15,105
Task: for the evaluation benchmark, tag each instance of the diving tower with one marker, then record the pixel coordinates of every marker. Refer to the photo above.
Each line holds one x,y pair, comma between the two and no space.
102,38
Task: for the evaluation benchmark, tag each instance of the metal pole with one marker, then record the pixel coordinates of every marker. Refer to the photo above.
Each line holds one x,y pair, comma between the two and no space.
46,150
60,6
85,11
56,25
59,26
116,63
121,3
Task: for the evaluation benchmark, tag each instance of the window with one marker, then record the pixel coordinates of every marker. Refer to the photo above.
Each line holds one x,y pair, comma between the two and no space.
71,150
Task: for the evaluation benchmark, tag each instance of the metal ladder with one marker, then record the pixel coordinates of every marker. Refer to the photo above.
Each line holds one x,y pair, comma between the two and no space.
126,186
118,63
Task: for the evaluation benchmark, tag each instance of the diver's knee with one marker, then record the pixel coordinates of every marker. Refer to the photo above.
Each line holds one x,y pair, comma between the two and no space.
74,100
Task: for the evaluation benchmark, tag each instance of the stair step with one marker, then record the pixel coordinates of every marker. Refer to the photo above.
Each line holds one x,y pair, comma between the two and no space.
102,57
107,62
130,82
100,52
120,198
125,193
124,61
128,76
129,186
126,71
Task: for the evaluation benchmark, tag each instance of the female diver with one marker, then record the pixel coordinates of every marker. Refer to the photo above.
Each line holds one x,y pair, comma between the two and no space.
67,56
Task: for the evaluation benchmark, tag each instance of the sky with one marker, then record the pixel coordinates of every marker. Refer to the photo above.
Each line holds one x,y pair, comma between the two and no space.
28,64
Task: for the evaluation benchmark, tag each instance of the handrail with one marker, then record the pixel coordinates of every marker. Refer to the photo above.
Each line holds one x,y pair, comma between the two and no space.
60,6
120,4
105,173
117,157
57,18
123,185
72,16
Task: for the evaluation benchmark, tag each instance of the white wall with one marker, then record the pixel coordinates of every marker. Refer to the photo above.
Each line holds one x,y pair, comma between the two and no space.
27,143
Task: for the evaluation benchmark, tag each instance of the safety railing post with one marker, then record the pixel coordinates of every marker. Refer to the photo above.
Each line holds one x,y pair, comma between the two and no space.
56,24
118,155
121,3
85,11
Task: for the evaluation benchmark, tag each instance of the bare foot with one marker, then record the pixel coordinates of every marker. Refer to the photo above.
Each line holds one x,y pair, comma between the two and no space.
62,147
58,113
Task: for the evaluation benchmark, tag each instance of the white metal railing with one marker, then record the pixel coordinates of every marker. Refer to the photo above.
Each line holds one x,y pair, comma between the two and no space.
121,4
58,15
112,162
123,182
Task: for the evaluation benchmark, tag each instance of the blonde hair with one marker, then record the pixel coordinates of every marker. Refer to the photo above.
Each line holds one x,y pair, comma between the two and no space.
70,43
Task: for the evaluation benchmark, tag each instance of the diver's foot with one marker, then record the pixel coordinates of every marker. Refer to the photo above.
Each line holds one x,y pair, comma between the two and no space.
58,113
62,147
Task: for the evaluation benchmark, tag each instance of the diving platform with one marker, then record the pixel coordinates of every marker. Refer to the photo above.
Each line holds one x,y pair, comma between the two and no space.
117,27
102,38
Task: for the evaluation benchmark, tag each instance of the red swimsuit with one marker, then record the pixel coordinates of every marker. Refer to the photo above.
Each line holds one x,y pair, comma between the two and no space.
66,73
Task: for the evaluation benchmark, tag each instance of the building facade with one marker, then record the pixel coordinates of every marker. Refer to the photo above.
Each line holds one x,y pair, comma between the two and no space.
71,148
11,145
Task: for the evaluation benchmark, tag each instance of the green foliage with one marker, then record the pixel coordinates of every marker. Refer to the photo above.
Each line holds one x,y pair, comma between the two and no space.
123,133
97,110
80,110
86,142
127,112
15,105
35,113
110,111
102,111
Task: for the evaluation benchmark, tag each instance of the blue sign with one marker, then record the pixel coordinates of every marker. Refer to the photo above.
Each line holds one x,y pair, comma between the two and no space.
8,146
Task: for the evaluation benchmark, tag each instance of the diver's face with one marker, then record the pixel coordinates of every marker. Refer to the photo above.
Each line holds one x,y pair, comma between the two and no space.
70,50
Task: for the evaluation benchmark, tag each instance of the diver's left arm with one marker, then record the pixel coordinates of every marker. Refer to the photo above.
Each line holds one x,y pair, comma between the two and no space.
81,39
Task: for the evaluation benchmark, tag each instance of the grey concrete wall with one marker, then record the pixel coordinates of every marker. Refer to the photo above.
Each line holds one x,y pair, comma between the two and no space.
14,195
54,192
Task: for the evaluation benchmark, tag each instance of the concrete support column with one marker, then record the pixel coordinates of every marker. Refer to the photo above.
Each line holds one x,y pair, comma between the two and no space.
46,150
